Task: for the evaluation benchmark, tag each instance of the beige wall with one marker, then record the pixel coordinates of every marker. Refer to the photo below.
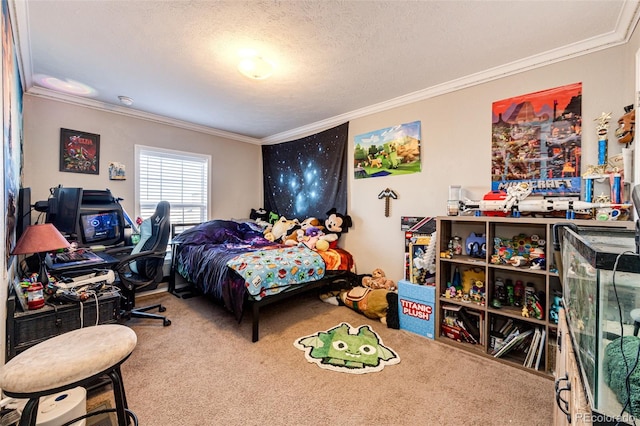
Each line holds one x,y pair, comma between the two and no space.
236,167
456,141
456,147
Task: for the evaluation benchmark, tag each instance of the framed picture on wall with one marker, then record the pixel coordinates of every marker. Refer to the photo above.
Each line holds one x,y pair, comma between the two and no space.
79,152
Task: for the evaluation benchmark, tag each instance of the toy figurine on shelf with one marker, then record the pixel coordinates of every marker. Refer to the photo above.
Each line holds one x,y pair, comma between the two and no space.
603,128
457,245
476,245
451,292
531,304
554,311
516,202
477,293
446,254
500,294
518,293
511,299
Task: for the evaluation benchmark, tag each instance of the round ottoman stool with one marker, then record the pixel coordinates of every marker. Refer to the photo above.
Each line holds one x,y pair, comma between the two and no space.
77,358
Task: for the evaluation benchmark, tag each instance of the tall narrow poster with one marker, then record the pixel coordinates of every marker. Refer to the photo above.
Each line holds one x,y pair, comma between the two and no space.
536,138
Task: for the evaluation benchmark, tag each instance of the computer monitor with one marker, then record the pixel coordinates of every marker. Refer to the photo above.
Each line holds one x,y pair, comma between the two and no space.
23,214
101,226
63,209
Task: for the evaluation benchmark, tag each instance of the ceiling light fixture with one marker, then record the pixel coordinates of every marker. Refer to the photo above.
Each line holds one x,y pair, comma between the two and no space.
255,67
68,86
125,100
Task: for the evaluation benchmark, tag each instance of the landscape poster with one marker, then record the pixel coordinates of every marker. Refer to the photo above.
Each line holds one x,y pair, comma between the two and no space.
391,151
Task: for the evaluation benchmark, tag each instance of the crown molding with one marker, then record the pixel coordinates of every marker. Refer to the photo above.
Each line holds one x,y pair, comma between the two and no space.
627,21
41,92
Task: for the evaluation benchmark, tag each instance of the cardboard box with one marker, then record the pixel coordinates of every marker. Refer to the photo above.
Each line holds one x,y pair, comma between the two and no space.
418,224
416,306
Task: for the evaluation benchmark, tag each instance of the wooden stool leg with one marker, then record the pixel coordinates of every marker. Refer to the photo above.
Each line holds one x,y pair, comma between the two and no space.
119,396
30,413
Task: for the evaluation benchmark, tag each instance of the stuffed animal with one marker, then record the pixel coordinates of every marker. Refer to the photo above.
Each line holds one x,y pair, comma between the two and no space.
280,229
311,237
311,222
378,303
377,280
335,225
263,218
470,277
322,245
294,237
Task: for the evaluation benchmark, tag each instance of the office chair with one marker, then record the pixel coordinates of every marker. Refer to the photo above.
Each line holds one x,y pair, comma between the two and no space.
143,267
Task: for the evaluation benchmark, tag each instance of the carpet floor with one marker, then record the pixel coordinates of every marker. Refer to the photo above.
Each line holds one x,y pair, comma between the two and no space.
204,370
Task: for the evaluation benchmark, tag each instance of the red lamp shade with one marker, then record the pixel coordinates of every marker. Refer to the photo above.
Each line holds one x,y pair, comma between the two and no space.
39,239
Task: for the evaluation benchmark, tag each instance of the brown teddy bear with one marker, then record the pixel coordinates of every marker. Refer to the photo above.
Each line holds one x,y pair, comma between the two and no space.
378,280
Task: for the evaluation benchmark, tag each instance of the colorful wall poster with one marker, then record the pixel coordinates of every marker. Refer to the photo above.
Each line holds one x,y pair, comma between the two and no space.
12,154
536,138
391,151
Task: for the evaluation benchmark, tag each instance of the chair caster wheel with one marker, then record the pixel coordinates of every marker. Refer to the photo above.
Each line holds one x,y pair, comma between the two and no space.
162,309
166,322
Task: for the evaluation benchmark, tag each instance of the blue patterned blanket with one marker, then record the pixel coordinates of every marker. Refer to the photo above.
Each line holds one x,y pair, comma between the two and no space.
270,271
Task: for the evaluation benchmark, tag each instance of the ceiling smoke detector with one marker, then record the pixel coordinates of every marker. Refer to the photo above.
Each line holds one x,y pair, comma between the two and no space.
125,100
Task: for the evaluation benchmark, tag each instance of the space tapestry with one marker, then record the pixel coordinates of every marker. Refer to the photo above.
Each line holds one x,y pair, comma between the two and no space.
536,138
307,177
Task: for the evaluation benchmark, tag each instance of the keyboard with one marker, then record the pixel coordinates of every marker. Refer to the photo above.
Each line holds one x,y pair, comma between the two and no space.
72,256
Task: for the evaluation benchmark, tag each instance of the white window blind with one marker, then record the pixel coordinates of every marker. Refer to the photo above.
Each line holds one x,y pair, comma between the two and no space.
181,178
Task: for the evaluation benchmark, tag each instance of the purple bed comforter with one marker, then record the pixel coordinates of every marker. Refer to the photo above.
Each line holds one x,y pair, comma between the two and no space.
203,252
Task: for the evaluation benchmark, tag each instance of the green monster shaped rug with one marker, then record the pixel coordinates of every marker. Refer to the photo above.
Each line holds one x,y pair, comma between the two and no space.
347,349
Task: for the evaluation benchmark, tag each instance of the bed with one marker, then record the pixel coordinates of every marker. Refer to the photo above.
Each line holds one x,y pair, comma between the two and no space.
231,262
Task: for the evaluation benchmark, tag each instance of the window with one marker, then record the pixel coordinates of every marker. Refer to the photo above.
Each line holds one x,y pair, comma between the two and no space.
181,178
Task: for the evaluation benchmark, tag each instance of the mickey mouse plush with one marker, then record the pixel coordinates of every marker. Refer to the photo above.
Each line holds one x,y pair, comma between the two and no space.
335,225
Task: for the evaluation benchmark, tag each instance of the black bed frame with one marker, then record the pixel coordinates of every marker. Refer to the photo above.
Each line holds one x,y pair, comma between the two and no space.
341,278
328,279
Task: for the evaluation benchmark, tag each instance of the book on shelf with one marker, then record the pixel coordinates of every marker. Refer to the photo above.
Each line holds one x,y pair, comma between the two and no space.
532,349
535,348
465,333
541,348
514,339
478,317
506,328
469,320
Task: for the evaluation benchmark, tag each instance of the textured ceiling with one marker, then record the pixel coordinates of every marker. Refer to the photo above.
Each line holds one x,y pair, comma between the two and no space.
335,60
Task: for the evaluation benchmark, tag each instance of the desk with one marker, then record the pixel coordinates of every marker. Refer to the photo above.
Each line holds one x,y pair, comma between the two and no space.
96,259
25,329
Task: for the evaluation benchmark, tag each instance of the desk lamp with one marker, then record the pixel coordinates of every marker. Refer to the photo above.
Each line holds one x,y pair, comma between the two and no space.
40,239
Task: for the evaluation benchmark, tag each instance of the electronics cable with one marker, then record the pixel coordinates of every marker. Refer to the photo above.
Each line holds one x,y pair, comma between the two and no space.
624,357
89,293
95,297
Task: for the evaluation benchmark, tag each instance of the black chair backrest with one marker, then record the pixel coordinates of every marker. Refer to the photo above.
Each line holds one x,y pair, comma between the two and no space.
157,243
